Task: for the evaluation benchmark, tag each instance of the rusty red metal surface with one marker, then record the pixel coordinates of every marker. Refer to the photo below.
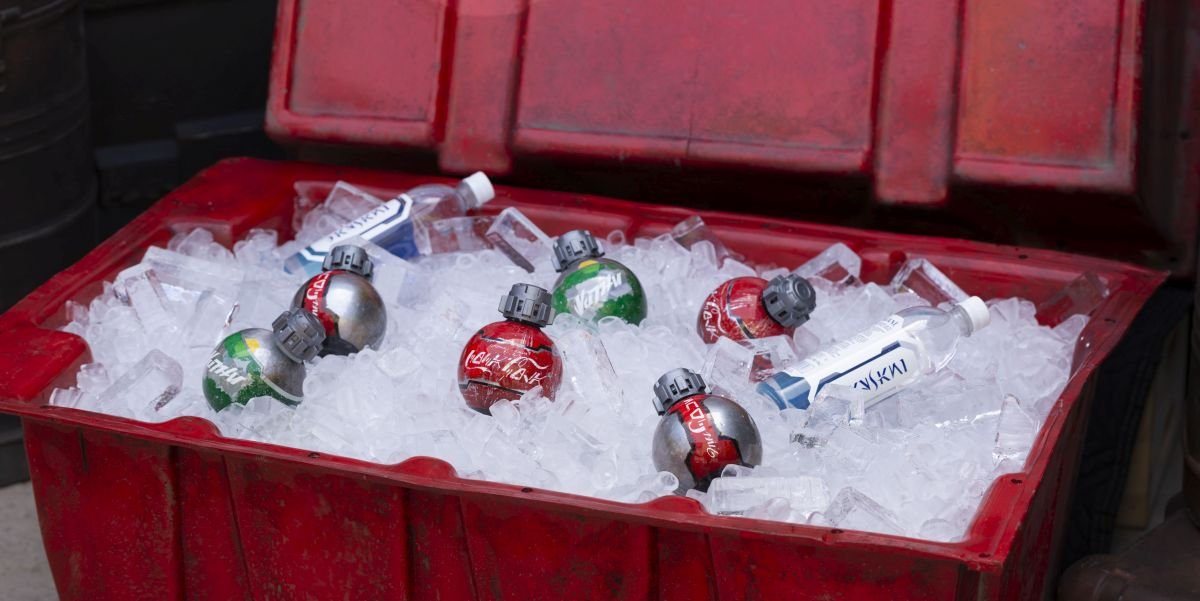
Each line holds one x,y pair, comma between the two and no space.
174,510
1081,105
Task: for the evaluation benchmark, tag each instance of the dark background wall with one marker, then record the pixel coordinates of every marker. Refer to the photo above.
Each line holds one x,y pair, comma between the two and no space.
175,85
106,105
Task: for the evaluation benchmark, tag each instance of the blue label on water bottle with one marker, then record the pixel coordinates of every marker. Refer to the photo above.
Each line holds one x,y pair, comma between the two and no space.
870,365
388,225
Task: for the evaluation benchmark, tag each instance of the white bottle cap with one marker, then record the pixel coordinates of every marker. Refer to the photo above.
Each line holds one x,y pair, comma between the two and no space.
977,311
480,186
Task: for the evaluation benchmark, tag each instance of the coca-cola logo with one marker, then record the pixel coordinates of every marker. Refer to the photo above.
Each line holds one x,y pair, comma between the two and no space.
524,368
713,317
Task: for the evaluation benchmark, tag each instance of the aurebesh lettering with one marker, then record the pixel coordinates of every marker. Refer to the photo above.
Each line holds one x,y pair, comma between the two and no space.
878,377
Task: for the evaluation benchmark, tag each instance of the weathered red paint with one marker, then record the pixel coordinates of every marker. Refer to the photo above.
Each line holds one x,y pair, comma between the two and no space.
929,101
174,510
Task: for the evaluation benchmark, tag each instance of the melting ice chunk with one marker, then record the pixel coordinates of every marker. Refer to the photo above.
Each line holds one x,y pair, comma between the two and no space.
921,277
837,264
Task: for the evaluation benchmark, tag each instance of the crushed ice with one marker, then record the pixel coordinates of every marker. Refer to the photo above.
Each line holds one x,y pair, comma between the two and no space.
916,464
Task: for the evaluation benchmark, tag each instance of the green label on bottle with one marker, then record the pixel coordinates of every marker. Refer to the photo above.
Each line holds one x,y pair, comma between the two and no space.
597,289
233,375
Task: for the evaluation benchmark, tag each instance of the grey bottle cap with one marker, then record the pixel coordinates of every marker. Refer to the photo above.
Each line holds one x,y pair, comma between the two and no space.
527,303
299,334
573,246
348,257
676,385
789,299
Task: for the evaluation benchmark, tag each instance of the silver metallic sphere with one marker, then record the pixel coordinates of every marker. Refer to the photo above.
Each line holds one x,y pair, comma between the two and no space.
349,308
700,433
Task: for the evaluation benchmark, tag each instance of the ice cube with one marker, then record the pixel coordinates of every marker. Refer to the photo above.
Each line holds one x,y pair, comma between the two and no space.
65,397
260,418
316,224
927,455
647,488
1014,433
921,277
804,494
210,320
1080,297
1035,365
257,249
199,243
139,286
734,470
92,377
398,363
396,279
456,234
692,230
837,264
1070,328
260,301
728,365
350,202
805,342
948,401
851,312
507,416
148,386
523,242
444,318
853,510
177,269
588,370
776,508
771,355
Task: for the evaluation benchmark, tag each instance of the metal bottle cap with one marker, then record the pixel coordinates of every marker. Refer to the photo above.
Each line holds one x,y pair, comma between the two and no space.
676,385
348,257
299,334
527,303
789,299
573,246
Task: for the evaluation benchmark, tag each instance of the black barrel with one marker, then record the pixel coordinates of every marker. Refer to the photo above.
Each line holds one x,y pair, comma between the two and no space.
47,180
1191,427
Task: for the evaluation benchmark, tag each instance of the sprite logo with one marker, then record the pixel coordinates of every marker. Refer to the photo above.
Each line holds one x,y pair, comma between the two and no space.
230,374
587,295
234,376
598,289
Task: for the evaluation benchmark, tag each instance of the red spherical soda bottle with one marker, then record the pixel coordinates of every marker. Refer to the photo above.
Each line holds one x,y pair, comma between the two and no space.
506,359
751,307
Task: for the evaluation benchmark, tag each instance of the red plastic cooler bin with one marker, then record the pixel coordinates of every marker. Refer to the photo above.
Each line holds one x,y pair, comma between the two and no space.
175,511
919,101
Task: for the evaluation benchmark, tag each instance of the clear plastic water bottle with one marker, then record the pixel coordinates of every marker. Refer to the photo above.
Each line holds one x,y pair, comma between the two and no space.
888,356
399,225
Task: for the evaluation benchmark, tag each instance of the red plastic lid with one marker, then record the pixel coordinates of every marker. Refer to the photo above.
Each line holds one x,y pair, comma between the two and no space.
1015,92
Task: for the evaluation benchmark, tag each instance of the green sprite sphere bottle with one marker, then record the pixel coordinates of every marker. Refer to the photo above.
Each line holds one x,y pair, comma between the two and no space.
591,286
257,362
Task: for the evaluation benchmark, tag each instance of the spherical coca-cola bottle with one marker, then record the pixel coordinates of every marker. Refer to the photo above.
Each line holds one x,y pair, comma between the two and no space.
506,359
